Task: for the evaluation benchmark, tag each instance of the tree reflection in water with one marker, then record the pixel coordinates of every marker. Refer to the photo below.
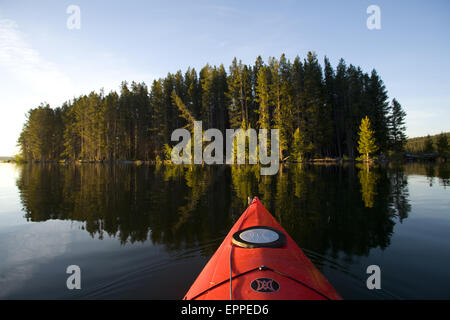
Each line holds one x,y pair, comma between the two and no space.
326,209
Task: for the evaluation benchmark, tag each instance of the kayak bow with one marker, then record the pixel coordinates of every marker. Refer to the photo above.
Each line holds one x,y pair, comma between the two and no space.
258,260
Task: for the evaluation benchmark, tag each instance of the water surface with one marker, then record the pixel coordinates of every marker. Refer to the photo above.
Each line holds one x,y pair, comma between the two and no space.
147,231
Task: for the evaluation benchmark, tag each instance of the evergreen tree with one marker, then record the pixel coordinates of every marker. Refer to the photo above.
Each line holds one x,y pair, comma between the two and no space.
193,92
354,108
125,122
298,149
41,134
397,127
366,143
442,145
208,88
221,117
317,112
280,97
286,117
263,97
340,89
254,103
330,101
239,94
171,111
317,121
185,112
299,145
110,107
159,122
378,111
429,147
71,136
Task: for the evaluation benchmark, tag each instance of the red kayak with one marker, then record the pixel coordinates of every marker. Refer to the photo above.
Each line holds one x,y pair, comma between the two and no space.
258,260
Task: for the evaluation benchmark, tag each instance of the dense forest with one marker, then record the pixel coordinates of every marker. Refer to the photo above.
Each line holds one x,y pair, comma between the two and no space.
317,109
429,144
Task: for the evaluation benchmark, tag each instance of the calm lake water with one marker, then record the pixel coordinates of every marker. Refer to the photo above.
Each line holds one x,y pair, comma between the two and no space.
147,231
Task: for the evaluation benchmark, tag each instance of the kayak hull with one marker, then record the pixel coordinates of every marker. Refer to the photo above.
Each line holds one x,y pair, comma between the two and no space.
262,273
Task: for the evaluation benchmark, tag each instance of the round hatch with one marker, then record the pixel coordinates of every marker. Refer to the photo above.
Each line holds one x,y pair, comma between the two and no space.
259,237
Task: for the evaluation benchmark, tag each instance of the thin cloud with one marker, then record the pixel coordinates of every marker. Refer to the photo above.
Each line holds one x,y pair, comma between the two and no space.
28,79
24,63
226,11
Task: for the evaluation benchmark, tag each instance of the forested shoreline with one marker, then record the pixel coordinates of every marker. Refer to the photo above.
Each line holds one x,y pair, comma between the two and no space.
430,144
317,109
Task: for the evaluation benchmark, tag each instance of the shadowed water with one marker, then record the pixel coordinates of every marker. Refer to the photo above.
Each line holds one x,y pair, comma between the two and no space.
147,231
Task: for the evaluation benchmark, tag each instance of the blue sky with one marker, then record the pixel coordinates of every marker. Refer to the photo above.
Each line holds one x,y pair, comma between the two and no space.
42,60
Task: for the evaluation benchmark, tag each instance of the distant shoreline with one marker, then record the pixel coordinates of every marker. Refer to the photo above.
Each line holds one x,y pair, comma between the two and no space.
406,157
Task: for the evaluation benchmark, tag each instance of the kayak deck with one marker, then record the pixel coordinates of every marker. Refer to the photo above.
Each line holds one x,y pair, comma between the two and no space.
260,273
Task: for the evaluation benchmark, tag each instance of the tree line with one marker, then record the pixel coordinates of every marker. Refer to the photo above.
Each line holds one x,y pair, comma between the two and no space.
429,144
317,110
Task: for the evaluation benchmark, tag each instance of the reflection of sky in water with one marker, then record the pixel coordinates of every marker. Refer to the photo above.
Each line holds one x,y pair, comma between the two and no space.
28,249
429,202
24,245
10,203
21,248
33,256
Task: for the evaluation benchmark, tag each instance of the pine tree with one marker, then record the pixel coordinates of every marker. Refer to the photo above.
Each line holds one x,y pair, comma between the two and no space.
42,135
254,103
286,119
193,92
71,138
185,112
239,94
341,100
302,144
397,127
317,120
171,111
317,112
235,106
110,106
125,122
442,145
279,88
208,88
378,109
355,107
221,100
159,122
330,101
366,143
298,148
263,97
429,147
